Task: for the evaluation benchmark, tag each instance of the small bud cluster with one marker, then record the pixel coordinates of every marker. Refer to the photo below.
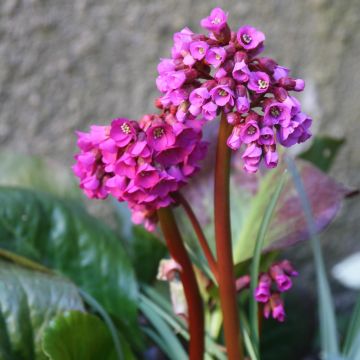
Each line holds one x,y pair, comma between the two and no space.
141,163
221,72
271,284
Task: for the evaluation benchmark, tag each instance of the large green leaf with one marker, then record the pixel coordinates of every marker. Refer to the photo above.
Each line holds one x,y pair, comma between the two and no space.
79,336
28,301
37,173
63,236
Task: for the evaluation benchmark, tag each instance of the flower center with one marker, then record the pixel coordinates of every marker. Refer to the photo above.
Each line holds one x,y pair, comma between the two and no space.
246,38
275,111
158,133
201,50
266,137
216,21
263,84
125,128
251,130
217,57
222,92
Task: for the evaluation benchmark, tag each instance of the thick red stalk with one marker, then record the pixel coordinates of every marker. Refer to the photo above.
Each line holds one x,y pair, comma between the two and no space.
223,245
200,234
193,298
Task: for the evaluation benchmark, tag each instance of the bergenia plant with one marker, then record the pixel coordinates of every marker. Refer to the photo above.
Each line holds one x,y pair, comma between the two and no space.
146,163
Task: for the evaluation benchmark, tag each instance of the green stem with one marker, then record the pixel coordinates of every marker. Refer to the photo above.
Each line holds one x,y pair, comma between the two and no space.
195,306
223,245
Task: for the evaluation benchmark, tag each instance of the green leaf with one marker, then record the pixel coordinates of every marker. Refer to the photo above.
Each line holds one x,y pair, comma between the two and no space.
353,329
323,151
145,251
61,235
28,301
328,327
37,173
260,239
164,336
162,307
78,336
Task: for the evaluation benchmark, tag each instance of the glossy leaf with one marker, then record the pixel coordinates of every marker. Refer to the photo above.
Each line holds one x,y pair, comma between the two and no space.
28,301
145,251
323,151
78,336
63,236
37,173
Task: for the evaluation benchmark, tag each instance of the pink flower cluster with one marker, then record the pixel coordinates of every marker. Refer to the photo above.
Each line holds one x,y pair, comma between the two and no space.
222,72
142,163
145,162
278,275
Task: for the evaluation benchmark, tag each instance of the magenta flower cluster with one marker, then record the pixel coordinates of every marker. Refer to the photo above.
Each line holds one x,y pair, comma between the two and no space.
141,163
271,284
222,72
144,163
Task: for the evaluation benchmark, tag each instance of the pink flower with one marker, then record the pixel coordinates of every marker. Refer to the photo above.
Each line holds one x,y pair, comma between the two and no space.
249,37
198,49
241,72
277,113
122,131
250,132
216,21
199,96
215,56
266,136
277,307
209,110
182,42
234,140
146,176
262,292
271,157
283,281
160,137
252,157
259,82
222,95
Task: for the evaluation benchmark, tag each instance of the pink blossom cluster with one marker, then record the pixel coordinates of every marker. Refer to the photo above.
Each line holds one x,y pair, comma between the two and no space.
271,284
142,163
221,72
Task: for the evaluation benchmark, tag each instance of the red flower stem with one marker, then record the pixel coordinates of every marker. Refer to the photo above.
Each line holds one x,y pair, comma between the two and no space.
192,294
200,234
223,245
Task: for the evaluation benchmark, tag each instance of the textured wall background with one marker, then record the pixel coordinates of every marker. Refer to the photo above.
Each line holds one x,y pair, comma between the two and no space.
67,63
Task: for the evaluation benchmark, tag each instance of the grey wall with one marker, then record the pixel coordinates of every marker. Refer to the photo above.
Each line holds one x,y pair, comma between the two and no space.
65,64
